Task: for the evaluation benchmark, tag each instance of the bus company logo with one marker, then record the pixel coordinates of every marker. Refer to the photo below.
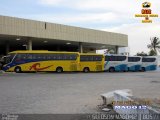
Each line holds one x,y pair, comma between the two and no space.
146,13
146,5
37,67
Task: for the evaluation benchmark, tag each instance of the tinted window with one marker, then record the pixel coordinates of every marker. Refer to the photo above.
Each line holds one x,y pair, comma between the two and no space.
134,59
73,56
21,56
121,58
91,58
64,56
115,58
8,58
97,58
48,56
148,59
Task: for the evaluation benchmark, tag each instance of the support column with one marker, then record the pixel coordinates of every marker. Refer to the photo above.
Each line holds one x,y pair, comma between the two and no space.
116,49
80,47
29,45
7,48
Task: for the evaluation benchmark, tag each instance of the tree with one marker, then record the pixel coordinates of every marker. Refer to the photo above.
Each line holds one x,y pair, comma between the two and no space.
154,46
152,53
109,51
141,54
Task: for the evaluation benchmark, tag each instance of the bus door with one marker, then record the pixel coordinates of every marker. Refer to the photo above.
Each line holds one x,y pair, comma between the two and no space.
74,62
99,63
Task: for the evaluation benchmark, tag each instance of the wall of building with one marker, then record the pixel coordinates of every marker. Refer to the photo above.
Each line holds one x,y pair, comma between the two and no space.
37,29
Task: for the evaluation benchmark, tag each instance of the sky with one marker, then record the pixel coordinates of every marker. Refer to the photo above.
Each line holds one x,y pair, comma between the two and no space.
109,15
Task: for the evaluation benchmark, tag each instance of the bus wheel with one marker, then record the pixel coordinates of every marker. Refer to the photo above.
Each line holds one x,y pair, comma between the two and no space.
86,69
143,69
59,69
111,69
17,69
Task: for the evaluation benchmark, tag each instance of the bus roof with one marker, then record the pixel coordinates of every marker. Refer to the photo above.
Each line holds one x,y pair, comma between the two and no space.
39,51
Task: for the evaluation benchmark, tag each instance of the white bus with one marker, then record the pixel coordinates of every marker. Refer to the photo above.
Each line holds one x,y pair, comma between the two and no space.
149,63
134,63
115,63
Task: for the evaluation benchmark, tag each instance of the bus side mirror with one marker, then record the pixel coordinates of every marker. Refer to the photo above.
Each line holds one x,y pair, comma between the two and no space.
2,60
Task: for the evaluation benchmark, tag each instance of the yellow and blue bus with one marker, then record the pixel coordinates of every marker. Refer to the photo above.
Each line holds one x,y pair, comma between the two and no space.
91,62
27,61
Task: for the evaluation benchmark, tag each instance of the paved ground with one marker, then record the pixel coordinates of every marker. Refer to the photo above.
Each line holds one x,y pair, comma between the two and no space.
69,92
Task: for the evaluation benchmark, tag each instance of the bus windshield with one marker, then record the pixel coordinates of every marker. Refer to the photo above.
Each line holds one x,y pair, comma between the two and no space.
7,59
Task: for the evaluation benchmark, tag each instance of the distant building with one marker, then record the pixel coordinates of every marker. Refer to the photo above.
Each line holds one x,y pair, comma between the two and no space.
22,34
124,51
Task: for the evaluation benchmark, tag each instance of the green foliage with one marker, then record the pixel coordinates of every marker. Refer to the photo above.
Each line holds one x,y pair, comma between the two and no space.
154,46
152,53
141,54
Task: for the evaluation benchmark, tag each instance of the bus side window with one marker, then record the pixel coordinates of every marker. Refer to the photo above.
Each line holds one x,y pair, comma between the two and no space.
20,57
49,56
29,56
86,58
65,57
118,58
121,58
137,59
95,58
113,58
38,56
73,57
134,59
98,58
34,56
82,58
90,58
148,59
44,56
59,56
70,57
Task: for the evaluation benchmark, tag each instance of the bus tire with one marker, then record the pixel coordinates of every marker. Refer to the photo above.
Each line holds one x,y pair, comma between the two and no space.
143,69
112,69
59,69
86,70
17,69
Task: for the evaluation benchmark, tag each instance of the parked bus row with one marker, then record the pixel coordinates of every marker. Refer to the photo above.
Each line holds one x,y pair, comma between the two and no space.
130,63
30,61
